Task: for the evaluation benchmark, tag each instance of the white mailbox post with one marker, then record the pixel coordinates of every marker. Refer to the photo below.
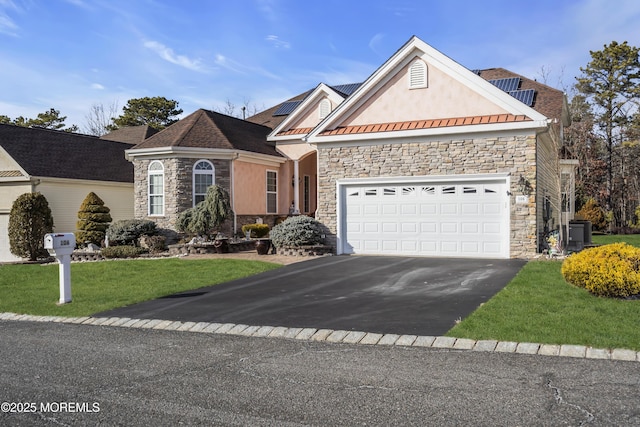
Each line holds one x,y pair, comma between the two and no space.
61,246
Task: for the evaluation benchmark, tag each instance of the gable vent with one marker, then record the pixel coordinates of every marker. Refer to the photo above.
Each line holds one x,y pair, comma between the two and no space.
325,108
417,74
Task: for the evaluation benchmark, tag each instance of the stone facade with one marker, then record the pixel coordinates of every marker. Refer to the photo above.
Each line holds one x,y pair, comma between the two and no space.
178,187
515,155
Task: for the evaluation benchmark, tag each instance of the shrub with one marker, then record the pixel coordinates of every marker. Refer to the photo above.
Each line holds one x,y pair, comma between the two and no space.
124,251
610,270
297,231
127,231
93,220
256,230
155,244
591,211
29,220
208,214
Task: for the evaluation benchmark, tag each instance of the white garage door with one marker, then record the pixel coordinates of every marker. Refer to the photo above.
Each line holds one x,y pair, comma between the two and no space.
460,219
5,252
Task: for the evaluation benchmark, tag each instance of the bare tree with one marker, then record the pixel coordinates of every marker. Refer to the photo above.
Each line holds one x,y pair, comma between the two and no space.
100,117
247,109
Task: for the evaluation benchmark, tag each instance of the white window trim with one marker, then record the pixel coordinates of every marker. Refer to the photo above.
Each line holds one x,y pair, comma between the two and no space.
151,172
267,192
195,172
418,75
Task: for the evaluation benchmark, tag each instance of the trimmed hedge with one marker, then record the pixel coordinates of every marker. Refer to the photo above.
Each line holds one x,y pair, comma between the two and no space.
610,270
125,251
93,220
257,230
29,220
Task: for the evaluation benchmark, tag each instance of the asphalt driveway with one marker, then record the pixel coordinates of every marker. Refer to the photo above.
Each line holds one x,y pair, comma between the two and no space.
402,295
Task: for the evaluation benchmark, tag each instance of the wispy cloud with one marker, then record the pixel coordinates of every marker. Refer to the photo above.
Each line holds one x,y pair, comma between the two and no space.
268,9
375,42
97,86
236,67
277,43
7,26
169,55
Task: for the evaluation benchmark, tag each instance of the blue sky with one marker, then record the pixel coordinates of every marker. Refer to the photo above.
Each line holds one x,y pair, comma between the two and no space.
72,54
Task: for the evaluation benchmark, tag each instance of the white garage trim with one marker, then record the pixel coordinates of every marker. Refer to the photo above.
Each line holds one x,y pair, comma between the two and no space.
452,215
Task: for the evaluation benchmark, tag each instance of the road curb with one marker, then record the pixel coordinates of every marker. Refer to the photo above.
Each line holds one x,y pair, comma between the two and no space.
341,336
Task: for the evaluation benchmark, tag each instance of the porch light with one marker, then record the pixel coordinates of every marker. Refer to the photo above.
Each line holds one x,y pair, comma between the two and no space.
525,185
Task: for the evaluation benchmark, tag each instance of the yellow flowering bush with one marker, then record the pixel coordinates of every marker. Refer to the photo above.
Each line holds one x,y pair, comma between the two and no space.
610,270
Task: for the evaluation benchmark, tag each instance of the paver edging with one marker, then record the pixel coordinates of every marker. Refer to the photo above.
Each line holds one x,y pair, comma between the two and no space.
342,336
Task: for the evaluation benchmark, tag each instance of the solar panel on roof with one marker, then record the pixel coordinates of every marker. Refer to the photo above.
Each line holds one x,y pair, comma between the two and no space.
508,84
286,108
347,89
524,96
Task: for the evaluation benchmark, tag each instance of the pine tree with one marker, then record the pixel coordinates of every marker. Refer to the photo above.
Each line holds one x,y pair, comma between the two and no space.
93,220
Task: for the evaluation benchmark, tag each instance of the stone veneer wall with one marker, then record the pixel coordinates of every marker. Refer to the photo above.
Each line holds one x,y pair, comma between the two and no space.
178,187
514,155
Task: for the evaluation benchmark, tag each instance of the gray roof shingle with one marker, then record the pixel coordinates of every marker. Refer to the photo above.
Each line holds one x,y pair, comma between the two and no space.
208,129
58,154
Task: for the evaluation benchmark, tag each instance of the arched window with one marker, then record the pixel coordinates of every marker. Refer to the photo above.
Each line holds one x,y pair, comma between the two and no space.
156,188
417,74
325,108
203,178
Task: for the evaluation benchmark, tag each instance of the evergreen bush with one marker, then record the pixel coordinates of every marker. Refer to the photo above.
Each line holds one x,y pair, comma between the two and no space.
296,231
128,231
29,220
256,230
207,215
591,211
610,270
93,220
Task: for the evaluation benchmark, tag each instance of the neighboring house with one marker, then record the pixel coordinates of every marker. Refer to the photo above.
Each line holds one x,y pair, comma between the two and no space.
425,158
64,167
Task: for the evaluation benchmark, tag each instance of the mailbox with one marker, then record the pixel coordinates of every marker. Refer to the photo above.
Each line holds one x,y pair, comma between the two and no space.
61,246
60,243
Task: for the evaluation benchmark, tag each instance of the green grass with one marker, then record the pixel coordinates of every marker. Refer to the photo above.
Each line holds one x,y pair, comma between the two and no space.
539,306
98,286
605,239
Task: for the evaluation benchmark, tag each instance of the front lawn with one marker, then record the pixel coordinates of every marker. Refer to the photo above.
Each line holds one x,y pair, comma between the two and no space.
605,239
539,306
99,286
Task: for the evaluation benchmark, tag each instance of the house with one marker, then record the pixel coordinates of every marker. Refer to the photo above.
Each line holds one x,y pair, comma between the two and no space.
174,167
64,167
423,158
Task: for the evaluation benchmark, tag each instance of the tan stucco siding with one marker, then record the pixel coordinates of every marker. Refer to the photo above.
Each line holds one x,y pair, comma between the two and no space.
443,98
295,149
250,183
312,117
65,198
